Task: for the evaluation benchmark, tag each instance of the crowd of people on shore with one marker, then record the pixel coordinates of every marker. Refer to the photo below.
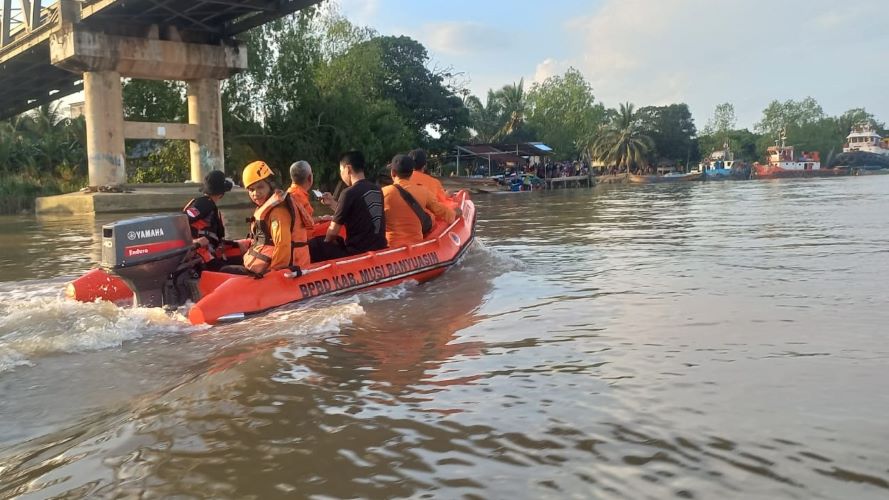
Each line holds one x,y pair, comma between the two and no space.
280,232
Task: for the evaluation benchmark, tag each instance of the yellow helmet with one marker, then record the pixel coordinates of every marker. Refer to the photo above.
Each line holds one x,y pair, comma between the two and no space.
256,172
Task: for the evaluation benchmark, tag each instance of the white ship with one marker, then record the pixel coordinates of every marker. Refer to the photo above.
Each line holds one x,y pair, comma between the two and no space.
865,139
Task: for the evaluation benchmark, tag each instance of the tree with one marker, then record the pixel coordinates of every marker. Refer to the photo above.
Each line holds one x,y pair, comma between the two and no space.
318,86
154,101
743,143
484,118
564,112
790,113
622,142
672,130
513,105
723,120
855,117
394,69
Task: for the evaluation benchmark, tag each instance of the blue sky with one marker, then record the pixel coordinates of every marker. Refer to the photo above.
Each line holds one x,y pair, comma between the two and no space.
654,52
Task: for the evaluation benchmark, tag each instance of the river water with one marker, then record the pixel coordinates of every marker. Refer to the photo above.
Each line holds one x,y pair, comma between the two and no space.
696,341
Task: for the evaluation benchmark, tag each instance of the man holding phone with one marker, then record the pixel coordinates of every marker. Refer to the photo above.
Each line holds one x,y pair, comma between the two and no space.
302,181
359,209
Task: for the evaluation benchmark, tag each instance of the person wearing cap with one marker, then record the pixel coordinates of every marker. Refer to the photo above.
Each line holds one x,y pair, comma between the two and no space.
359,209
205,219
278,230
405,205
421,178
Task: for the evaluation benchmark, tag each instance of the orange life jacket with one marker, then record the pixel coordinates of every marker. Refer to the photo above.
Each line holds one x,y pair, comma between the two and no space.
259,257
210,227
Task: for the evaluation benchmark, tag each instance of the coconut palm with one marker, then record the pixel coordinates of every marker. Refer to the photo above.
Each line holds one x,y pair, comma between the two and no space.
622,142
513,104
485,118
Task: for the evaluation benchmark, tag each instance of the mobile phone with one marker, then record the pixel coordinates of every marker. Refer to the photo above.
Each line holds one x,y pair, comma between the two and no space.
317,193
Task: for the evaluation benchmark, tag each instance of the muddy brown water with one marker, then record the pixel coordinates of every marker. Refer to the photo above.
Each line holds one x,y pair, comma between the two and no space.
698,341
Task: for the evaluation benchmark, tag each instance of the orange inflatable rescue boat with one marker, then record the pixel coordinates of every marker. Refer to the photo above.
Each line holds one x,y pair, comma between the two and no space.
151,261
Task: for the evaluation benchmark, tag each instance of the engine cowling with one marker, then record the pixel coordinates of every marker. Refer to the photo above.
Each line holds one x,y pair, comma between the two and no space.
146,252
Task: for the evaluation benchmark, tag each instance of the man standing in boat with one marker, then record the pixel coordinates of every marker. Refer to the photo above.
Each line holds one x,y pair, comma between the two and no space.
359,209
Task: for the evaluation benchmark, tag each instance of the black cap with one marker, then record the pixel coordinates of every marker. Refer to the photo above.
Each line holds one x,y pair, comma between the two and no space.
216,183
403,165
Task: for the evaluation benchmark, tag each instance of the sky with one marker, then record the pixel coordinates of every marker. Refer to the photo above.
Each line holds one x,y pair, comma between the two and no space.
658,52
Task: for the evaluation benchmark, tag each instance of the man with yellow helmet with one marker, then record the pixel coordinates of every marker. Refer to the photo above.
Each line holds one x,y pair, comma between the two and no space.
278,235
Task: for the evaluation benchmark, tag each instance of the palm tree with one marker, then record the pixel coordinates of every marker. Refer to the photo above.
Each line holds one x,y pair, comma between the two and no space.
622,142
513,104
485,118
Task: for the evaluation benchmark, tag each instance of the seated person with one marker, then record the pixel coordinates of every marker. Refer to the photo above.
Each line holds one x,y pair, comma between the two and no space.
421,178
206,223
359,208
278,231
405,205
302,181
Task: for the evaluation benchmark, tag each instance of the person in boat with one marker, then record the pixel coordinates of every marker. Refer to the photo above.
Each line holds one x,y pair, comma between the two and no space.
302,181
406,205
207,227
421,178
359,209
279,226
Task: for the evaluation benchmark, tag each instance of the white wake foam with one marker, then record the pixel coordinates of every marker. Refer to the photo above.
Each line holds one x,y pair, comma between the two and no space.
33,324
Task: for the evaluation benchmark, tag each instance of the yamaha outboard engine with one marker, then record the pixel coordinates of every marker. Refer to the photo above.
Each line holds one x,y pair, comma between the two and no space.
150,254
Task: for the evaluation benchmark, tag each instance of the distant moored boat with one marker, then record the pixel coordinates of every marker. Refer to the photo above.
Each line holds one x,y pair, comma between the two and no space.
784,163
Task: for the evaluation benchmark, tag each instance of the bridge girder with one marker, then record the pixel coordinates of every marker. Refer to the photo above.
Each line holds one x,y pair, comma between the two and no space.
28,78
25,17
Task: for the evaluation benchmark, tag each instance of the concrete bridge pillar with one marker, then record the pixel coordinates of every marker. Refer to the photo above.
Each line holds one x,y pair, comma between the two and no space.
103,110
205,111
104,57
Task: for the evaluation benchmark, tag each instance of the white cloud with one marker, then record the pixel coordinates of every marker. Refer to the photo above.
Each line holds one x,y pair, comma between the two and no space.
462,38
360,12
547,68
748,52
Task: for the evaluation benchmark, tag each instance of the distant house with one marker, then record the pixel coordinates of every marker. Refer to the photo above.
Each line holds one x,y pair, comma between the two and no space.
494,158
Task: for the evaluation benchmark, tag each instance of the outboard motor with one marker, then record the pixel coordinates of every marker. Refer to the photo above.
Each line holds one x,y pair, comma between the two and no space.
151,254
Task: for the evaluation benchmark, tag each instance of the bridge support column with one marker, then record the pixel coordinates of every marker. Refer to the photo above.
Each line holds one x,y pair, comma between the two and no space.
103,110
205,111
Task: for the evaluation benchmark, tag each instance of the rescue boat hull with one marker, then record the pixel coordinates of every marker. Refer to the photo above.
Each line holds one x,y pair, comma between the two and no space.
228,296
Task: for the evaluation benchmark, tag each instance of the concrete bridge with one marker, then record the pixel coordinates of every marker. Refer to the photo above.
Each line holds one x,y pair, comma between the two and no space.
49,50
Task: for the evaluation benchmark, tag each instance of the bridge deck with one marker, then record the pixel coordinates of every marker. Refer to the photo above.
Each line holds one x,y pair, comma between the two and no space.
28,79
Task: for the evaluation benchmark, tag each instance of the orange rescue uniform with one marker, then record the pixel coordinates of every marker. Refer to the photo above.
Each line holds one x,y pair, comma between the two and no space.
301,197
280,235
402,224
431,183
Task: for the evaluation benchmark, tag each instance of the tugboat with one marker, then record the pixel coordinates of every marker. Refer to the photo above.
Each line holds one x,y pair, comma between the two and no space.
721,165
865,152
784,163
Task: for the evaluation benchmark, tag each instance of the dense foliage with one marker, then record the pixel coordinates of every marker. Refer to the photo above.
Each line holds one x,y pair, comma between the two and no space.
318,86
623,142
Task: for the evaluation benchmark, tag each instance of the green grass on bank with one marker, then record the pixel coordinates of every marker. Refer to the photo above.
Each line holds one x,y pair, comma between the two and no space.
18,192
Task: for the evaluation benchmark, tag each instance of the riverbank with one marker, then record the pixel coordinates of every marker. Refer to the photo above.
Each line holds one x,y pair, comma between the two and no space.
133,198
18,194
